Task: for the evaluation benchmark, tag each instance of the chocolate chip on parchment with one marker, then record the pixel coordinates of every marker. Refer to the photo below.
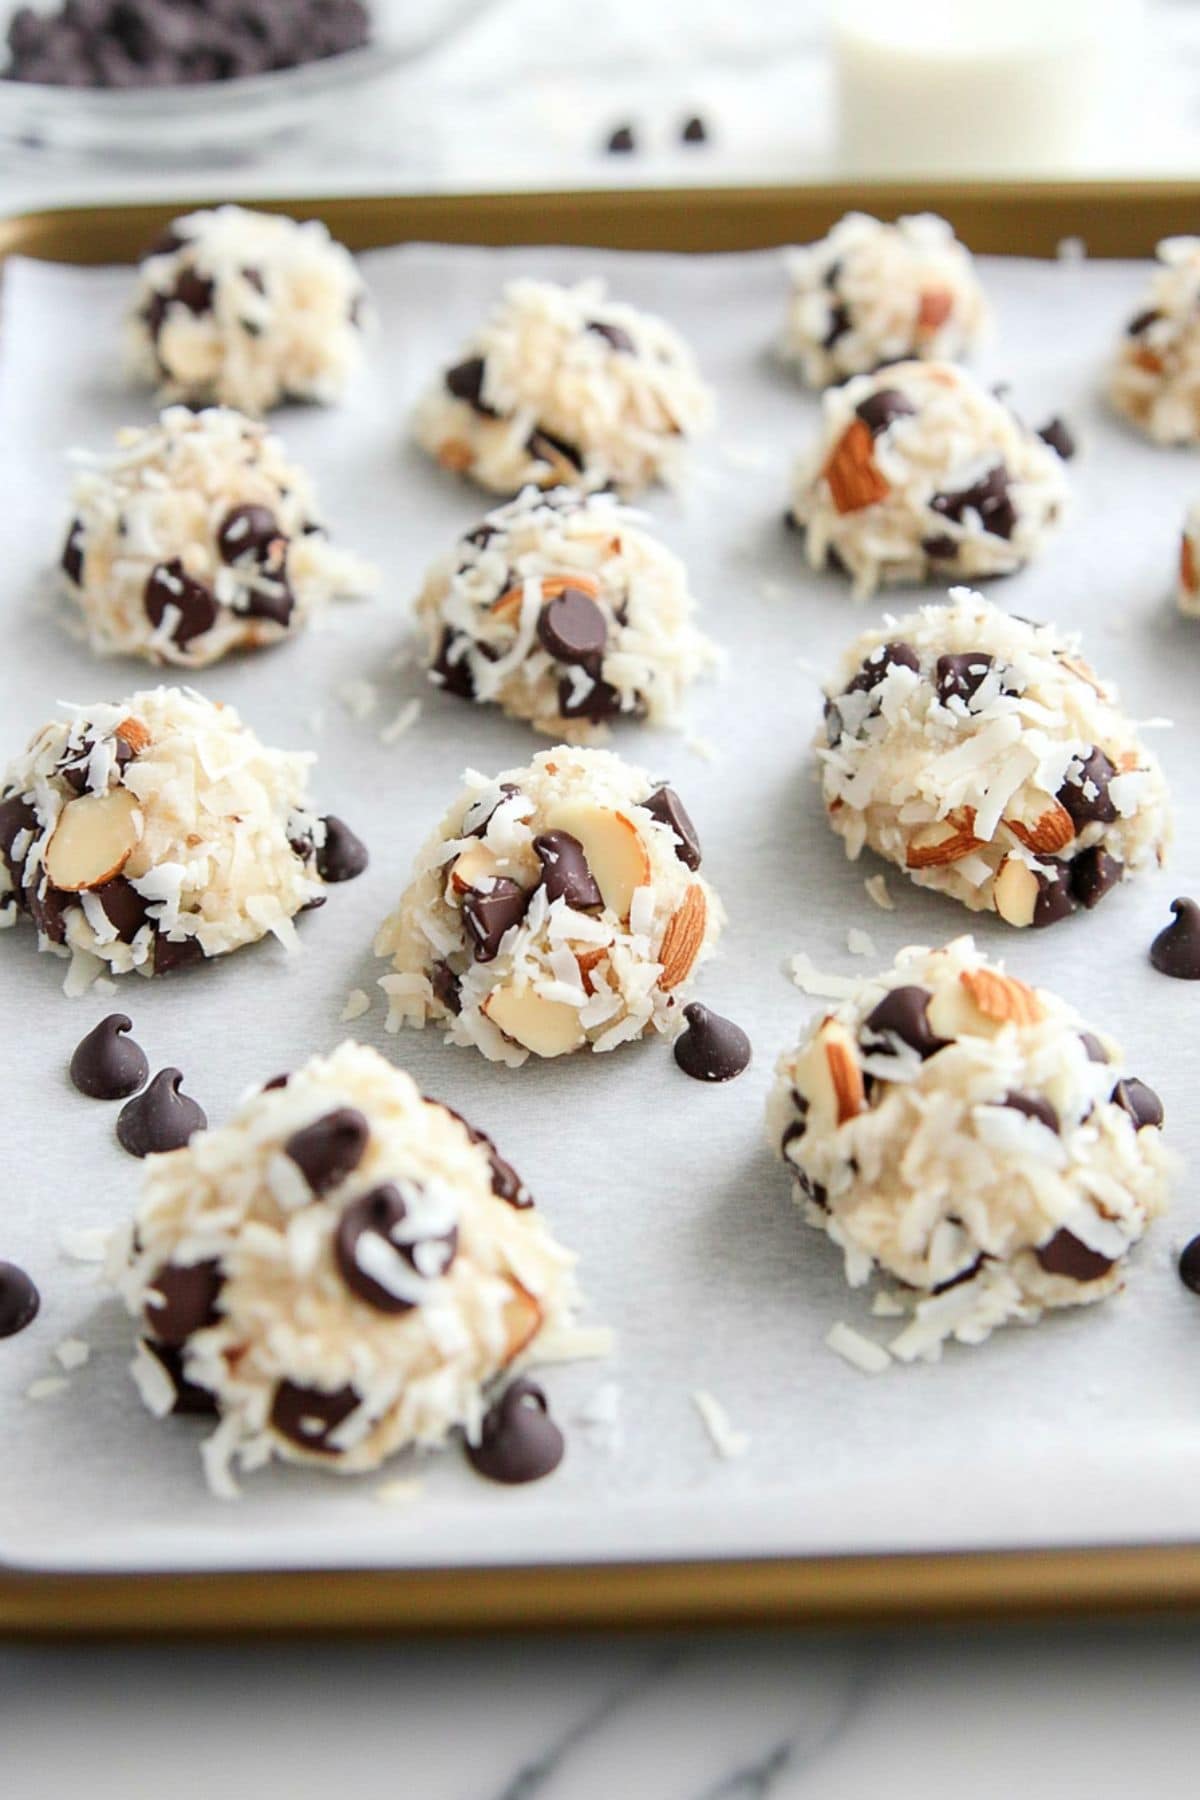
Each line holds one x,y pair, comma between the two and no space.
615,335
329,1149
518,1440
190,1398
904,1012
161,1118
343,855
1058,435
72,555
1176,949
573,629
1189,1265
19,1300
309,1417
988,498
1094,873
251,533
694,131
1139,1101
446,987
169,585
565,872
108,1065
665,805
621,141
1034,1107
465,382
1084,792
881,409
368,1244
489,913
712,1048
1065,1254
181,1299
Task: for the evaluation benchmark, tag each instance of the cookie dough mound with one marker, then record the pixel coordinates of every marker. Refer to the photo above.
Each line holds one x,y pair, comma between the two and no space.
920,472
157,832
560,609
556,908
336,1274
196,537
564,387
968,1136
982,755
1155,376
246,309
871,293
1187,583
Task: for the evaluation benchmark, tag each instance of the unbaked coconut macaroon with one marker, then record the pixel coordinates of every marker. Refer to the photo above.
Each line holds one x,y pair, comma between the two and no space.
159,831
246,309
983,756
563,386
195,537
971,1138
337,1274
872,293
1155,376
555,908
561,609
919,471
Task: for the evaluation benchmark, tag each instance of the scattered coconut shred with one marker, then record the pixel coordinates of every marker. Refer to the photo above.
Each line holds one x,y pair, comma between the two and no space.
860,1352
358,1002
726,1441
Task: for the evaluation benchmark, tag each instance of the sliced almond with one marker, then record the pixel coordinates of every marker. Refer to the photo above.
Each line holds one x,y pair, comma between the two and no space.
945,841
829,1078
613,847
1148,360
456,455
93,840
475,864
935,308
133,733
682,939
509,603
846,1076
853,474
1051,829
1002,997
1187,566
587,960
1015,892
1084,672
547,1027
522,1320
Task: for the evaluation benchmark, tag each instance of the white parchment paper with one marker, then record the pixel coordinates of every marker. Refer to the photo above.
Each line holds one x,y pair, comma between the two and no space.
1086,1428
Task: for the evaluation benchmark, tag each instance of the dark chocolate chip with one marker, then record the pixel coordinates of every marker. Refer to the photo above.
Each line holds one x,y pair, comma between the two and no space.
106,1064
1094,873
1139,1101
181,1299
482,536
1057,433
73,766
665,805
988,497
544,445
1176,949
614,335
276,1081
1189,1265
309,1417
446,987
799,1124
48,908
518,1440
127,911
17,815
600,701
506,1183
1034,1107
573,629
695,131
621,141
839,325
372,1223
19,1300
165,244
881,409
904,1013
489,913
276,607
450,672
1055,899
878,661
1142,321
190,1398
72,556
193,290
1064,1254
486,805
169,585
960,675
940,548
329,1149
1095,771
343,855
465,382
250,534
565,872
712,1048
964,1275
159,1119
1095,1049
171,954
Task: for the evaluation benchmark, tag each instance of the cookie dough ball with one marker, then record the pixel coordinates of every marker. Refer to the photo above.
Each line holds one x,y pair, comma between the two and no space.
246,309
196,537
920,472
337,1273
561,386
159,831
556,908
982,755
561,610
1155,376
971,1138
871,293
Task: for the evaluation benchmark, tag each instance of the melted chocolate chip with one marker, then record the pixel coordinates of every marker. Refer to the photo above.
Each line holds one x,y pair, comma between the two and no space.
665,805
48,908
171,954
988,497
72,555
190,1398
565,872
17,816
1065,1254
1084,792
329,1149
1142,321
446,987
1095,1049
182,1299
343,855
250,534
368,1243
488,914
465,382
614,335
169,585
600,701
107,1065
877,662
712,1048
19,1300
159,1119
1094,873
1189,1265
518,1440
1139,1101
572,629
1034,1107
1057,433
1176,949
126,910
309,1417
904,1013
621,141
881,409
961,675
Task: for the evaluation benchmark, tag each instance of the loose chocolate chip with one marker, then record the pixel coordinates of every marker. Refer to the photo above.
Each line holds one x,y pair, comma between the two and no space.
1095,1049
1176,949
1084,792
465,382
599,701
665,805
171,954
839,325
712,1048
169,585
988,497
329,1149
489,913
453,672
19,1300
940,548
309,1416
1057,433
572,629
72,556
190,1398
1055,899
544,445
1034,1107
1094,873
124,907
250,533
565,872
615,335
881,409
446,987
621,141
904,1013
369,1244
960,676
695,131
1142,322
1189,1265
486,807
878,661
1064,1254
518,1440
181,1299
343,855
1139,1101
159,1119
106,1064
